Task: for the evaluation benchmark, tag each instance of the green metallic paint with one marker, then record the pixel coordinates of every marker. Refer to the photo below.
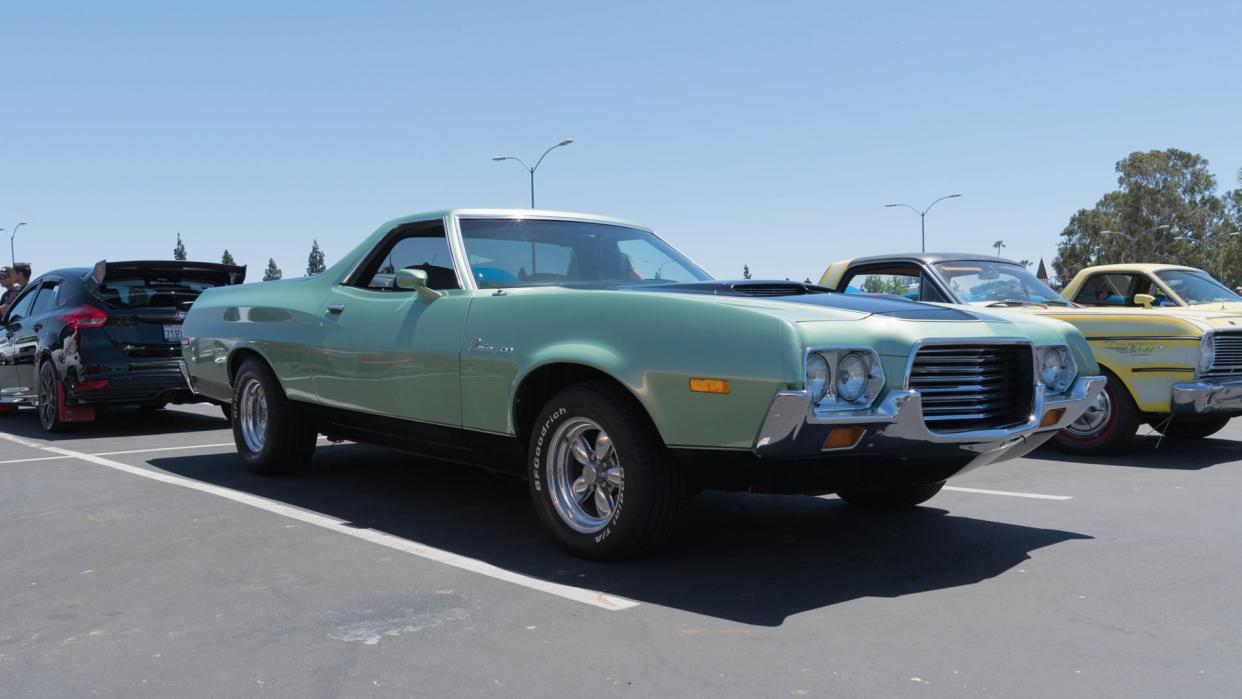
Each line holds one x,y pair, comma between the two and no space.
459,360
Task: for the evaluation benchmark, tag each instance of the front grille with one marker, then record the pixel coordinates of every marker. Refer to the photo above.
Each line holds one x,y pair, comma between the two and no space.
1228,360
973,387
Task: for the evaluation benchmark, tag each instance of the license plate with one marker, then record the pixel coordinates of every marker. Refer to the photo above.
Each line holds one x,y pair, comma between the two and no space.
172,333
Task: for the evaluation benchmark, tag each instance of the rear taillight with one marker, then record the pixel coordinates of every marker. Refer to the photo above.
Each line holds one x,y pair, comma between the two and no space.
83,317
94,383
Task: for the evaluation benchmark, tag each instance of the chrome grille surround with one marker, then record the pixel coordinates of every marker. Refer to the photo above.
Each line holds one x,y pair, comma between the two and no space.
973,384
1228,359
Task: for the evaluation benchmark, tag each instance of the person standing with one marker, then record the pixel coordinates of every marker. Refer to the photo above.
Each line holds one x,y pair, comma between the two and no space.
18,280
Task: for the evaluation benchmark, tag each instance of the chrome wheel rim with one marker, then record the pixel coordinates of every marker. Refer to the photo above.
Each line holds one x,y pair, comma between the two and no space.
48,400
252,415
1094,418
584,475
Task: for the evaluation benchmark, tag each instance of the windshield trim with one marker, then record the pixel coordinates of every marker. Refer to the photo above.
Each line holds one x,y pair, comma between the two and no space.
1158,275
461,259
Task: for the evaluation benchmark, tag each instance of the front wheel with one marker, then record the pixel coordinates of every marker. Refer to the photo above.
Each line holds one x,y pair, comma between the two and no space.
601,479
1191,426
891,498
272,436
1108,424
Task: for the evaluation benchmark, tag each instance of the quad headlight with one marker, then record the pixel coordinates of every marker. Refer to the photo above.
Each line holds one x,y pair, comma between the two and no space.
843,378
1056,366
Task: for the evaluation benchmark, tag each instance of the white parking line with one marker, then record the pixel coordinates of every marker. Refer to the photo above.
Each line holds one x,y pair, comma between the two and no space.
1035,496
414,548
37,458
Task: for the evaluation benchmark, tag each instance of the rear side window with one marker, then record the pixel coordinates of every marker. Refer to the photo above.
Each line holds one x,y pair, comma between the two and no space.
150,292
46,300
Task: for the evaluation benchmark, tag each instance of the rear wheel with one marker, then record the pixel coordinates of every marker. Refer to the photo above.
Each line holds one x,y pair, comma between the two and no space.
272,435
1191,426
601,479
51,395
891,498
1107,425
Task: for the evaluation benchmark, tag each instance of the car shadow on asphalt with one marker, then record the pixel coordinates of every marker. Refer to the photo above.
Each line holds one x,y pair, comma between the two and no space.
1149,451
114,422
754,559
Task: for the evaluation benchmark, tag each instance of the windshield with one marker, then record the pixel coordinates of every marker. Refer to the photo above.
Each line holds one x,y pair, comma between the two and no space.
985,283
1196,287
513,252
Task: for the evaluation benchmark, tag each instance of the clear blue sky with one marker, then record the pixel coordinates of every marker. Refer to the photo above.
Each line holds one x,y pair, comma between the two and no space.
768,134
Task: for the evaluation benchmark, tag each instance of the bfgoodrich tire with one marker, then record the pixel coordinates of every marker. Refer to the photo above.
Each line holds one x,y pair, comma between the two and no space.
601,479
891,498
272,436
1108,425
1191,426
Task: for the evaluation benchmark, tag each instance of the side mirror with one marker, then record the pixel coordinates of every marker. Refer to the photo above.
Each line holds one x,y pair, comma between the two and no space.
416,279
1144,300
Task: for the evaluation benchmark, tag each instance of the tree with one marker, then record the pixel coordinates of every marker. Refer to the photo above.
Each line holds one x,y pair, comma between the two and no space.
998,245
1165,209
1026,263
745,271
179,251
272,273
227,259
314,263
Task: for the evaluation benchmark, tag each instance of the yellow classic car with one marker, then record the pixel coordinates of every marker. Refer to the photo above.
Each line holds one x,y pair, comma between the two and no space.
1177,368
1129,285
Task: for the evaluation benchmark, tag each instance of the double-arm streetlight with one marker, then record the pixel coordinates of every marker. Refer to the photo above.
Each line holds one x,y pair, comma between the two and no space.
923,216
13,234
1135,238
536,167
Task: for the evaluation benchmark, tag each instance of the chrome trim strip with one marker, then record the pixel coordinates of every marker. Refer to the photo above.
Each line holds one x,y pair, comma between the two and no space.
1147,338
1161,369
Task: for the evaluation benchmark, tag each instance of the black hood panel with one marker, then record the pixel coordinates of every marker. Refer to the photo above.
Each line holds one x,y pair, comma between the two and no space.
797,292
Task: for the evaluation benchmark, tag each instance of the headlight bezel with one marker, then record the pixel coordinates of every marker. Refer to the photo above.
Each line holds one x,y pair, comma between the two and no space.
833,356
1207,354
1061,379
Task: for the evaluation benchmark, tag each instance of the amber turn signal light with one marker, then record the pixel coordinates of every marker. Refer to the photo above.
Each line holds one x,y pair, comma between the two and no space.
843,437
1052,417
709,385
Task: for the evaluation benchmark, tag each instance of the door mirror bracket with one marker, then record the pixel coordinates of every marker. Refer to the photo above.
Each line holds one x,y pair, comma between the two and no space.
416,279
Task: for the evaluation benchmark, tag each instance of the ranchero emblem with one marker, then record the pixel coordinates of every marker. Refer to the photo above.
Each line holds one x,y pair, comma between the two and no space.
479,346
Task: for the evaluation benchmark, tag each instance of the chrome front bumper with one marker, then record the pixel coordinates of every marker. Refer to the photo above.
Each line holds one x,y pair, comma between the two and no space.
896,427
1204,396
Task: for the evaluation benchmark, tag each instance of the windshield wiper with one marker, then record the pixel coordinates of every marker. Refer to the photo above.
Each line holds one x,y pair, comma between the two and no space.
1014,302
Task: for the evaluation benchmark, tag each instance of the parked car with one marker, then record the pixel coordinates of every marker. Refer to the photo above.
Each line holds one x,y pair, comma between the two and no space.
589,355
1178,369
83,338
1151,285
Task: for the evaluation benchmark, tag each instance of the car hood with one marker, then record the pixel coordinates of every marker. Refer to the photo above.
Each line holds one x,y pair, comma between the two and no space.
802,302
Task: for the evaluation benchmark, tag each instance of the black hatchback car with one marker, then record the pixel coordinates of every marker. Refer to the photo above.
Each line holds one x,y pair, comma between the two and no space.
78,339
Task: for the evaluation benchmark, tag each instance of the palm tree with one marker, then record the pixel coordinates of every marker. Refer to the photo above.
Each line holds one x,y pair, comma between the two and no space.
998,245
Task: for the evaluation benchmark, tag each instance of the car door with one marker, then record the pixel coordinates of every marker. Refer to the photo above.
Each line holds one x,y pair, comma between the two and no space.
20,343
388,350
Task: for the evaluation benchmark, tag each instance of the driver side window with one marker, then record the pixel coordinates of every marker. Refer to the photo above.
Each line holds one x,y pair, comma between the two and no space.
904,281
421,246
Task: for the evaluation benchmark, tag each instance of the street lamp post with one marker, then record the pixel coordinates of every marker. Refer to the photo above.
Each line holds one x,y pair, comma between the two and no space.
923,216
1134,239
536,167
12,234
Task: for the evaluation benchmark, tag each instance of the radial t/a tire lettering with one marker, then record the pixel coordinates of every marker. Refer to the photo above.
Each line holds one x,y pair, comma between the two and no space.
272,435
601,479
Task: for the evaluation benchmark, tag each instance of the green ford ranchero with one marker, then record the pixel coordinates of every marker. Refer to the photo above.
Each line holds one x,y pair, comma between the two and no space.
589,355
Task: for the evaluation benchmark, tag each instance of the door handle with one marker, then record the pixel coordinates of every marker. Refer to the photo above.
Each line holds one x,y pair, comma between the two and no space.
38,327
336,307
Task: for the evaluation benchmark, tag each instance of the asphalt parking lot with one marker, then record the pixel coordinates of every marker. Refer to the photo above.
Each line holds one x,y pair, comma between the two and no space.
141,559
